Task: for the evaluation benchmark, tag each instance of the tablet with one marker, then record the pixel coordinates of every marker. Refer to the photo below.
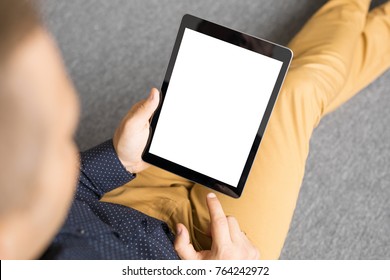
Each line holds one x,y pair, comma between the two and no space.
216,99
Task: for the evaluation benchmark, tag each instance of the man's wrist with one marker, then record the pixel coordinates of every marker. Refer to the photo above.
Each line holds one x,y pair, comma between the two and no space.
129,167
102,166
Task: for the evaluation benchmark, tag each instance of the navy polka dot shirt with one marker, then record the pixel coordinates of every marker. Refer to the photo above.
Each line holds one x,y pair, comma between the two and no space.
99,230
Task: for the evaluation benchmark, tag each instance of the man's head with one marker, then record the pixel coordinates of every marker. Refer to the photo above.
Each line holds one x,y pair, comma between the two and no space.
38,116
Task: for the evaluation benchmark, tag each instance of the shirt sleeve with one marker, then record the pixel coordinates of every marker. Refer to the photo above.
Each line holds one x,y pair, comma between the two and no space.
100,171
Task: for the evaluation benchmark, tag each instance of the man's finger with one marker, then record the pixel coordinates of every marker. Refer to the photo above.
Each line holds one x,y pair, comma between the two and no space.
219,224
151,102
183,245
146,108
234,229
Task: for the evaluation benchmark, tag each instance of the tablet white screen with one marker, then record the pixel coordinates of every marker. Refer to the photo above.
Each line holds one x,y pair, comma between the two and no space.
216,99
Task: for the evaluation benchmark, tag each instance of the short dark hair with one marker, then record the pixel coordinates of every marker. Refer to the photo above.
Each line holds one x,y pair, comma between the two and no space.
17,19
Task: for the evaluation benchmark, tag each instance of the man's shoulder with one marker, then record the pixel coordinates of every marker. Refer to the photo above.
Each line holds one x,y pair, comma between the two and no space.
83,236
109,231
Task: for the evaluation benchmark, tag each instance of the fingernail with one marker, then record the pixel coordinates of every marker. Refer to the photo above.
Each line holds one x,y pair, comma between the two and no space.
151,97
178,230
211,195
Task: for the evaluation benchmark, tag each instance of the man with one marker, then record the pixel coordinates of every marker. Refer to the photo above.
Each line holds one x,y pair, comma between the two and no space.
39,165
339,51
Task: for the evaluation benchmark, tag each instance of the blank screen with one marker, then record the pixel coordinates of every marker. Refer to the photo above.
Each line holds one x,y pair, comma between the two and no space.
214,104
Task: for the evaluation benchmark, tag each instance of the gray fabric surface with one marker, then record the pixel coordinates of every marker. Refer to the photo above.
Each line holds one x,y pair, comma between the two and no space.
117,50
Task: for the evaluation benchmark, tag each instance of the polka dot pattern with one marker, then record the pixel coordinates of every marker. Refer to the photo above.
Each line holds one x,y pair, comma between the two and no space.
99,230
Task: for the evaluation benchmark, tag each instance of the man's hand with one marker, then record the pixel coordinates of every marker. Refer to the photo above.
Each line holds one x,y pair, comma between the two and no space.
229,242
132,134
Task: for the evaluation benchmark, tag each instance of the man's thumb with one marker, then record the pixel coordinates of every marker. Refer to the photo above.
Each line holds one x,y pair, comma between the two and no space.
183,246
149,105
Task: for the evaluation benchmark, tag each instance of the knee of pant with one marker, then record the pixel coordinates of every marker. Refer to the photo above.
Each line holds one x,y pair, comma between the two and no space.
324,74
298,95
309,91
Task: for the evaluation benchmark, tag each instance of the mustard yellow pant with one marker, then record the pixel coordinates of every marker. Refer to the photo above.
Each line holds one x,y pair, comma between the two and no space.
339,51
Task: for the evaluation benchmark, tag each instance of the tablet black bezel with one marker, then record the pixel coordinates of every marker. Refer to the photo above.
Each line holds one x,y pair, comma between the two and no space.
240,39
